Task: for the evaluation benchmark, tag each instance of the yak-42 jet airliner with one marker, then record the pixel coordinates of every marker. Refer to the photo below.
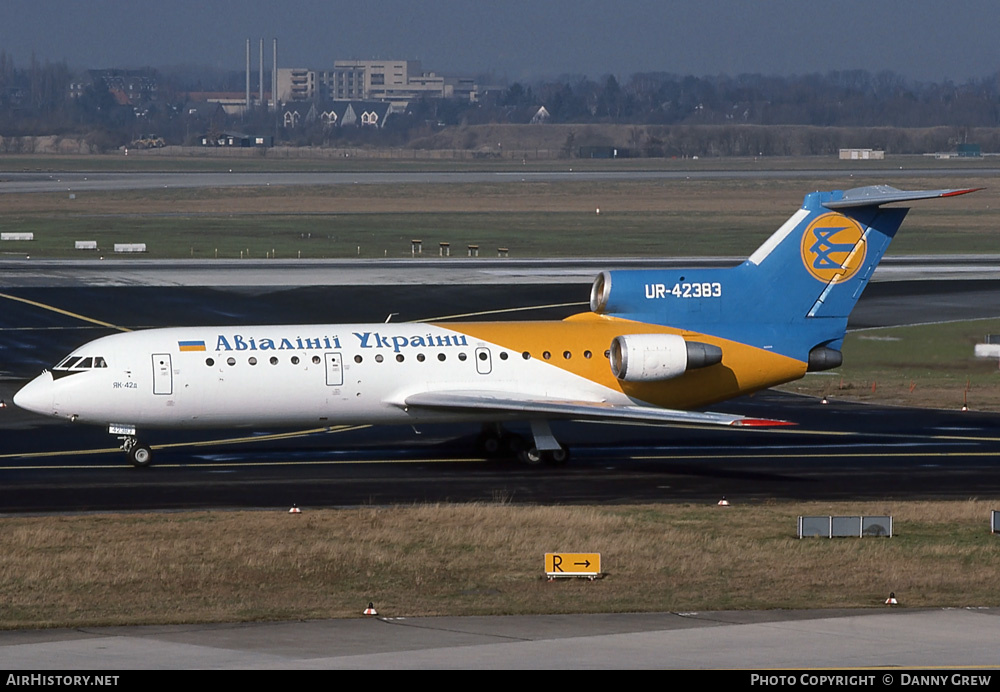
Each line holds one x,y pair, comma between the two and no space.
657,346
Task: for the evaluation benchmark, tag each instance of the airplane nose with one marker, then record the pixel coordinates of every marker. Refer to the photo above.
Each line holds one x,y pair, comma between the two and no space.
36,395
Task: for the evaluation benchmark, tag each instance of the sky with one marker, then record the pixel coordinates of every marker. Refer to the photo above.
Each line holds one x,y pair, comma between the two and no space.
922,40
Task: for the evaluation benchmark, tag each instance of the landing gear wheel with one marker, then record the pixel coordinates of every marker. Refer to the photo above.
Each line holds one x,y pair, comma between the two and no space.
557,457
516,445
491,446
490,442
534,456
140,456
531,456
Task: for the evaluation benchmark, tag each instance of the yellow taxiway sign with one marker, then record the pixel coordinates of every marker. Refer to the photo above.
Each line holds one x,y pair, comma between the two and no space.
572,565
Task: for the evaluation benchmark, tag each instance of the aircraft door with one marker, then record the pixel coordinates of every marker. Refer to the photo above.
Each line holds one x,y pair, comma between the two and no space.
484,364
163,374
334,370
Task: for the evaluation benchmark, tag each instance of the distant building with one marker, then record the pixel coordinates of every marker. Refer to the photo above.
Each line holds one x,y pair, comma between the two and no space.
129,87
861,154
205,110
395,81
540,116
235,139
234,103
337,114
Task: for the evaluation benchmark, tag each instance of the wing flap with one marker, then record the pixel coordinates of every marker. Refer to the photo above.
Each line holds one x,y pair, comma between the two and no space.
508,404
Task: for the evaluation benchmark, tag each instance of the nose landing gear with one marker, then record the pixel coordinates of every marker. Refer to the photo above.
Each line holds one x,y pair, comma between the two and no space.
139,455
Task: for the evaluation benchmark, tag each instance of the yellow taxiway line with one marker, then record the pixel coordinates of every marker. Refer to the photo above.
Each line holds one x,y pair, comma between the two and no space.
74,315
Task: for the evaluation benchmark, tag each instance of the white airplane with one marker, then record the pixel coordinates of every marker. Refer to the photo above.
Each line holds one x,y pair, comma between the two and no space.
657,345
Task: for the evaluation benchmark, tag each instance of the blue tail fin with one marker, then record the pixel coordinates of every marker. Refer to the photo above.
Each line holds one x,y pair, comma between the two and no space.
793,294
818,263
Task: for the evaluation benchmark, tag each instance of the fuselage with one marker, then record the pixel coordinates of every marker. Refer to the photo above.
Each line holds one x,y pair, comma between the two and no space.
363,373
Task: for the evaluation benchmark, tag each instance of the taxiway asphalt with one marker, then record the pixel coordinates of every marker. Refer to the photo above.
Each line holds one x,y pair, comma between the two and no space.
795,643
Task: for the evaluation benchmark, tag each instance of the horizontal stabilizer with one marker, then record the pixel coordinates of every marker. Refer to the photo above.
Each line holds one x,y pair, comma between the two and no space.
876,195
524,407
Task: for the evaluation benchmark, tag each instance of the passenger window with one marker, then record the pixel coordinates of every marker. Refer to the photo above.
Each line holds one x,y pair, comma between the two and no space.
420,357
274,360
503,355
295,360
379,358
462,356
399,358
483,356
546,355
441,357
567,355
252,361
526,355
209,362
231,361
358,359
587,354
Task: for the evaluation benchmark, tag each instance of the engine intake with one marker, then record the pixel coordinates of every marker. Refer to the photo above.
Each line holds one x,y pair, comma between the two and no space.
600,293
657,357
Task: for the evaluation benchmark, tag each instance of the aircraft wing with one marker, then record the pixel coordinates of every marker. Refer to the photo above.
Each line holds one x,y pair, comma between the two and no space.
508,405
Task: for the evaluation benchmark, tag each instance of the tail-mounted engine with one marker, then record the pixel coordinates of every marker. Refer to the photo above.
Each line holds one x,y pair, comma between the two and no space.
656,357
600,293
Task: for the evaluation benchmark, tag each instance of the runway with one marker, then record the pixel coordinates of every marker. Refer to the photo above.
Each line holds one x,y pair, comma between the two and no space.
20,182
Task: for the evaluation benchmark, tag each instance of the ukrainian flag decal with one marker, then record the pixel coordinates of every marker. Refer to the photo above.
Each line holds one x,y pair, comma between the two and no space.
191,345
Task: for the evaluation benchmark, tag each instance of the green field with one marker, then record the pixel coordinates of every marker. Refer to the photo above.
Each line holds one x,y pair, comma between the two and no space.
929,366
668,218
483,559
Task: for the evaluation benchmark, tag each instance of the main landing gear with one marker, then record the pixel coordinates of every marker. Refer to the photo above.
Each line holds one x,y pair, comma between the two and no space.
495,442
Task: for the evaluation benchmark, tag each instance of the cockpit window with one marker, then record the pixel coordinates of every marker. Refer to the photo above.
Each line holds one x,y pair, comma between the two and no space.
81,363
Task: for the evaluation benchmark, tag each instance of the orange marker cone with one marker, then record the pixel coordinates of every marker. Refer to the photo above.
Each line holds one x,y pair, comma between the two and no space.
891,601
295,510
723,502
370,610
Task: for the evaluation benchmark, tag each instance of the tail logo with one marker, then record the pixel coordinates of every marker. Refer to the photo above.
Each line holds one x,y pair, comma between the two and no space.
833,248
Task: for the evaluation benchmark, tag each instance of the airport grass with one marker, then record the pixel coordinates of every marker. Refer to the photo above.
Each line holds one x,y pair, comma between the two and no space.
483,559
291,159
928,366
638,218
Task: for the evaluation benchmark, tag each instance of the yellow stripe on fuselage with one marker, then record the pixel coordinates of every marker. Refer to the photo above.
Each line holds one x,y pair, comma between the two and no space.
744,368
